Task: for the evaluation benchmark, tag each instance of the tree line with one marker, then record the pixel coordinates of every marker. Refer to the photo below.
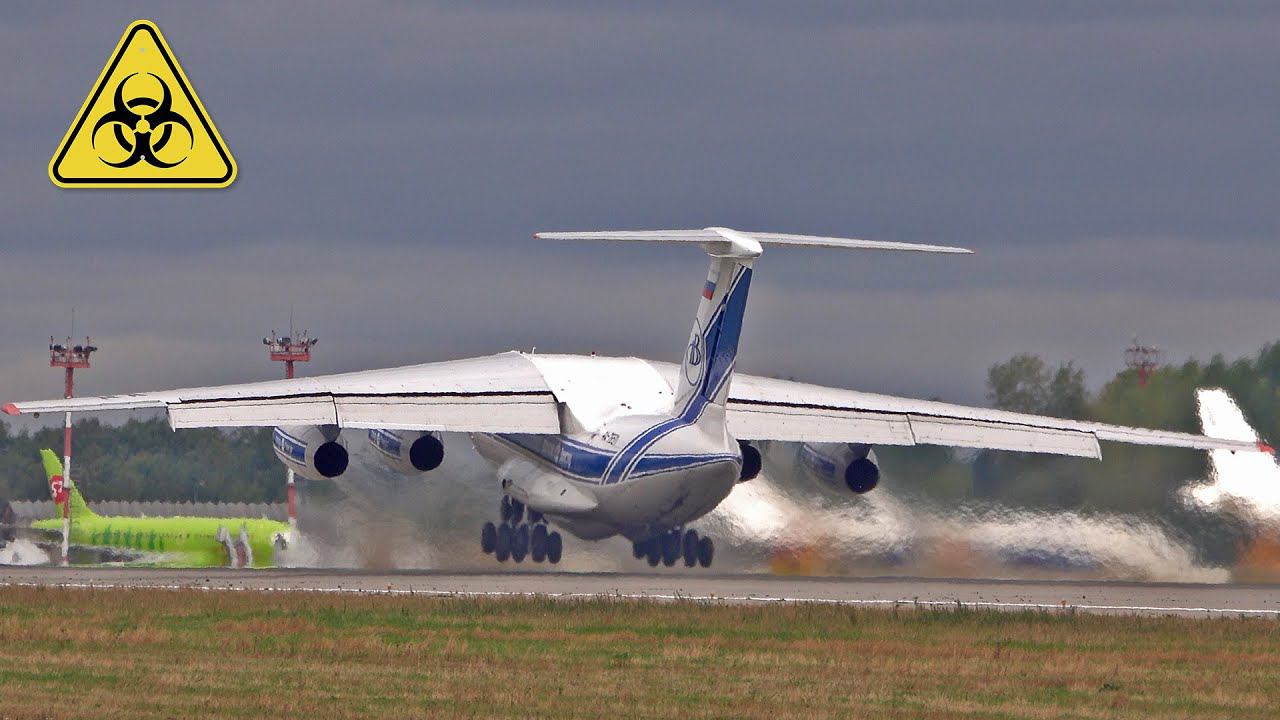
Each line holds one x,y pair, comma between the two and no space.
1131,478
146,460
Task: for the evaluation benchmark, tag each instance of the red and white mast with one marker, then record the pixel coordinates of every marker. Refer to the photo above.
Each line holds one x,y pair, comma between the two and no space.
288,350
70,358
1144,359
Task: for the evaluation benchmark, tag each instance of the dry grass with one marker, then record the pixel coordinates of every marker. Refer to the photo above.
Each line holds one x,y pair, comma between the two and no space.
165,654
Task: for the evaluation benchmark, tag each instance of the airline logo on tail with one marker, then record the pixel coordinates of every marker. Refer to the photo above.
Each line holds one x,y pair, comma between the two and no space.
58,489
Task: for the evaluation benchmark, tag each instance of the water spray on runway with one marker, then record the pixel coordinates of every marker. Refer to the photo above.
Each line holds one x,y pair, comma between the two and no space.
883,533
776,523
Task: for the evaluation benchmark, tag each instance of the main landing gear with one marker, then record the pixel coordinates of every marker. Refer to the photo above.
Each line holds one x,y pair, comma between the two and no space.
515,539
673,545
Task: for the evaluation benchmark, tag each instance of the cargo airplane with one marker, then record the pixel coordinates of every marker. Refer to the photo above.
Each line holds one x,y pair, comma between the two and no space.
605,446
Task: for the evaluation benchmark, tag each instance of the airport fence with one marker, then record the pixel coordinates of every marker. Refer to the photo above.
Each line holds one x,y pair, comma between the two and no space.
28,510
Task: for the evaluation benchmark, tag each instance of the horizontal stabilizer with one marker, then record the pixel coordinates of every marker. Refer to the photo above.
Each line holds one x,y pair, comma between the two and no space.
716,239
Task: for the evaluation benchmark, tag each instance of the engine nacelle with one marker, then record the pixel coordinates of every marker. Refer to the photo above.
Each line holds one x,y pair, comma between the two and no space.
313,452
848,465
751,461
408,452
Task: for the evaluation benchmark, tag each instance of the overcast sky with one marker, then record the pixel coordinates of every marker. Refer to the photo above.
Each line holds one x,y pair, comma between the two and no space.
1115,168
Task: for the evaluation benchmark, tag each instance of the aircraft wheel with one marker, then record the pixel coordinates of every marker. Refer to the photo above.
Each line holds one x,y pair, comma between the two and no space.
689,548
502,548
554,548
653,552
538,543
488,538
638,549
504,509
517,511
670,543
706,552
520,543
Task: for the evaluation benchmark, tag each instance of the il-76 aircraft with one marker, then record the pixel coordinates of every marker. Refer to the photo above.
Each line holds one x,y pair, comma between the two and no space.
604,446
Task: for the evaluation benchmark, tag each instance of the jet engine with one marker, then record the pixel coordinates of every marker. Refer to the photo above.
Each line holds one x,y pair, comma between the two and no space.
851,465
313,452
751,461
408,452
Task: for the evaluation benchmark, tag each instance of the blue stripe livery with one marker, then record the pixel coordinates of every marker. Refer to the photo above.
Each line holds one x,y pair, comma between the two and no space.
290,446
587,463
721,342
387,441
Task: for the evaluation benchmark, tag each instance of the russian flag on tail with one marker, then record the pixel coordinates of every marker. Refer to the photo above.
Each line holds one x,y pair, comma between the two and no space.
708,290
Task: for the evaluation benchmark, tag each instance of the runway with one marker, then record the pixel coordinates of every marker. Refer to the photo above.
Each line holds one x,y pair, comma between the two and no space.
1079,596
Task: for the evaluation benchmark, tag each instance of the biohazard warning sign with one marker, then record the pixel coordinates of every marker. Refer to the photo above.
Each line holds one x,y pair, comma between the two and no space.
142,125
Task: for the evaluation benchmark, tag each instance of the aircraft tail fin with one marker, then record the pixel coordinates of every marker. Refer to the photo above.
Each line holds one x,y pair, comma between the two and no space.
57,488
713,343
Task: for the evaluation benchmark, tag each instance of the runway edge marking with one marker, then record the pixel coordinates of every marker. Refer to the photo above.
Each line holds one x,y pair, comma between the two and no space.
723,599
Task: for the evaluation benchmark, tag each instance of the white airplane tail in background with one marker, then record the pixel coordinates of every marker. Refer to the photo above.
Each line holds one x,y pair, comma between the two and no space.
1240,480
713,342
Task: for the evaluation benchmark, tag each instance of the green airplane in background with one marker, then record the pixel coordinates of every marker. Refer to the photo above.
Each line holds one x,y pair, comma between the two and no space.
171,541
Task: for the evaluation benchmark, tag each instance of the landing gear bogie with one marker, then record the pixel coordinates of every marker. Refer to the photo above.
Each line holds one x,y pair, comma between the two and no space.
673,546
513,538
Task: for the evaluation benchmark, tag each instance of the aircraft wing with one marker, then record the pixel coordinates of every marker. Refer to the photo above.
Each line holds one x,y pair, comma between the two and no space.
767,409
509,392
497,393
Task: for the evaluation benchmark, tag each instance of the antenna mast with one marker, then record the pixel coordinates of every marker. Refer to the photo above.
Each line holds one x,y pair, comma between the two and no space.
70,358
1145,359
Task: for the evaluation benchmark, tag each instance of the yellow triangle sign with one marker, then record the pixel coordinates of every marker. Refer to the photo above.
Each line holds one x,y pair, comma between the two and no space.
142,125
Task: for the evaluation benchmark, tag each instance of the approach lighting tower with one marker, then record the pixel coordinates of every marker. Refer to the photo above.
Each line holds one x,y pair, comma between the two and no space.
70,358
1142,358
289,350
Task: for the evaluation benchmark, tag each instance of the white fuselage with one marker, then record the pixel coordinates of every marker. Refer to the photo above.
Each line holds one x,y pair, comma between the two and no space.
633,466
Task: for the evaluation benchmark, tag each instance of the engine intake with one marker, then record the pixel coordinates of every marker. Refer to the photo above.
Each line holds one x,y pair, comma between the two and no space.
862,476
408,452
331,460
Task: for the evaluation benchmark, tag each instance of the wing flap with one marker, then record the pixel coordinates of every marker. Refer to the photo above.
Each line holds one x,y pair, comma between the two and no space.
765,422
526,413
496,393
812,413
960,432
316,410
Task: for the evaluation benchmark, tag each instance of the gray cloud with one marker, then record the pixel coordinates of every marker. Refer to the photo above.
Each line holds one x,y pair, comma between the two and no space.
1114,165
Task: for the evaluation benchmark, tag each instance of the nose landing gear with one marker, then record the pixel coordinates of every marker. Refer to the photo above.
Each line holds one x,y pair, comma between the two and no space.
515,539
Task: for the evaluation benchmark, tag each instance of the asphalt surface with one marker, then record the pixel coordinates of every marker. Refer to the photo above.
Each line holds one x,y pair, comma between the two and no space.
1104,597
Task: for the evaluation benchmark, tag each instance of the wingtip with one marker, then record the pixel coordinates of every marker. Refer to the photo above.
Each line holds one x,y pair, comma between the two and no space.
11,409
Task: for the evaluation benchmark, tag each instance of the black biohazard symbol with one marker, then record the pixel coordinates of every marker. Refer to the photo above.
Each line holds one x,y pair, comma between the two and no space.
142,126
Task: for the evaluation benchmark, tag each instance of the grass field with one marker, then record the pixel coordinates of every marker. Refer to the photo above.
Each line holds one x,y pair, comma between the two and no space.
175,654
